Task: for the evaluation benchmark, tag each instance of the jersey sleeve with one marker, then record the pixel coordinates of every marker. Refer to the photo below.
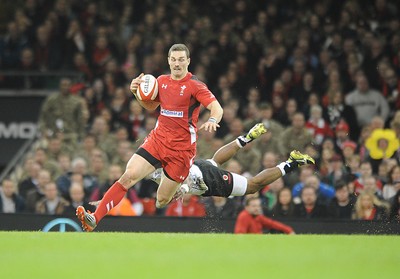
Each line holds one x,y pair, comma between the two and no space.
275,225
203,94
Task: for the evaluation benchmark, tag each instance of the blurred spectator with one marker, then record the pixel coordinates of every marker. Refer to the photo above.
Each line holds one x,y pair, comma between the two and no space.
10,200
341,206
395,208
220,207
40,157
31,181
78,167
370,186
309,208
77,198
51,203
251,220
337,112
296,136
365,172
368,207
11,45
284,205
317,126
269,194
34,195
393,184
367,102
189,206
324,191
62,113
337,172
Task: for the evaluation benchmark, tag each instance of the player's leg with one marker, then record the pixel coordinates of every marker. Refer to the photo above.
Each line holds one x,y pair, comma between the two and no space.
227,151
136,169
166,191
268,176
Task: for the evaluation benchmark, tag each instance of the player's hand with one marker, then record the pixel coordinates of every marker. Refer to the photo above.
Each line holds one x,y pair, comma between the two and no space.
135,83
209,126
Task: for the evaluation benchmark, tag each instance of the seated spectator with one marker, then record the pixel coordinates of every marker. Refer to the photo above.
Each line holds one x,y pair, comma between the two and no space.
10,201
251,220
368,207
338,171
365,171
317,126
51,203
220,207
393,184
395,208
366,102
309,208
77,196
348,149
31,181
341,206
324,191
34,195
370,186
284,205
188,207
270,192
80,167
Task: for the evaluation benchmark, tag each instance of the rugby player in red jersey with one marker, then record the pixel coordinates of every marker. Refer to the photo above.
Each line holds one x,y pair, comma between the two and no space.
172,143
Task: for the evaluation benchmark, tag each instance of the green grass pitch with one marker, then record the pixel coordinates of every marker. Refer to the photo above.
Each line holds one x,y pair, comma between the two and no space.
205,256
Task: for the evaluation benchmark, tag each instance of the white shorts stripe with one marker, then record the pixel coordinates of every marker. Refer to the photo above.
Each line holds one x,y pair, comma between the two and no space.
239,185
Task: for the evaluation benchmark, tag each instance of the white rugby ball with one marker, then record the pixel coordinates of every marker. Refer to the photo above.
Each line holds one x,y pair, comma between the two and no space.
148,89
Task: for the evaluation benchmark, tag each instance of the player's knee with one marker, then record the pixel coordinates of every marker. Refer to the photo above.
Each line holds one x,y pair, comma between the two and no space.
162,201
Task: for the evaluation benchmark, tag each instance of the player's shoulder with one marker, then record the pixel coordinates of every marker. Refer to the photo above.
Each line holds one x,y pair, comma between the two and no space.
194,79
163,78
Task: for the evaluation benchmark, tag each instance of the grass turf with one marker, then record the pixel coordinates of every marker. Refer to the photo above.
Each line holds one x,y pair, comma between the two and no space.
206,256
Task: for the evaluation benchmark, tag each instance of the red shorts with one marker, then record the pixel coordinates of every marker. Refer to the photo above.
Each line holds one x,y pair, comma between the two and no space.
176,163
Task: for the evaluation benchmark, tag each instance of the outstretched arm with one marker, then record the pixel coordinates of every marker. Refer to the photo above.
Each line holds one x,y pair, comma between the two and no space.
226,152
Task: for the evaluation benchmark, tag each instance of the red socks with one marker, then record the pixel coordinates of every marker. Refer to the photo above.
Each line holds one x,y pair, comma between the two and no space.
111,198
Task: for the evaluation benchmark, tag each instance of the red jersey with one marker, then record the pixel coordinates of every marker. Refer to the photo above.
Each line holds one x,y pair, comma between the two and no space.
247,223
179,110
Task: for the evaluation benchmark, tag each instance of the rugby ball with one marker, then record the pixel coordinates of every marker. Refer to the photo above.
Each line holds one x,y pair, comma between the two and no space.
148,88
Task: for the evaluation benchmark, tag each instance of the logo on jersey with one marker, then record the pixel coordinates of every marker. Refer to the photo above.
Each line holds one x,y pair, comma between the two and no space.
225,177
183,87
164,86
171,113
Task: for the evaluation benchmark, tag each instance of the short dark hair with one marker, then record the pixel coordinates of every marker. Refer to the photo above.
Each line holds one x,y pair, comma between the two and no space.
179,47
340,184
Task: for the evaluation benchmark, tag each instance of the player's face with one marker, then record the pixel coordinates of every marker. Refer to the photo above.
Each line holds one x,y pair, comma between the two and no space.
178,64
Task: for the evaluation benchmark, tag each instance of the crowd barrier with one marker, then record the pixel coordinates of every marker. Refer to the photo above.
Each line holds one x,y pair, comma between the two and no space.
33,222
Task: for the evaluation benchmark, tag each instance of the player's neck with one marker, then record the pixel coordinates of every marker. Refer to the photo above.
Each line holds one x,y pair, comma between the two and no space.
175,77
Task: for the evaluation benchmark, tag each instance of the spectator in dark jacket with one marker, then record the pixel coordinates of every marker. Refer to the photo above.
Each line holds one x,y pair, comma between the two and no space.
10,201
341,206
309,208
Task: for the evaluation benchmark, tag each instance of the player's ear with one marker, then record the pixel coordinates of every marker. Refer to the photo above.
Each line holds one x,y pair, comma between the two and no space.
188,61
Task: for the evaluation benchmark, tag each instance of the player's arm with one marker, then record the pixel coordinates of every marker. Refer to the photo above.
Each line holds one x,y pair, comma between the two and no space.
149,105
275,225
216,113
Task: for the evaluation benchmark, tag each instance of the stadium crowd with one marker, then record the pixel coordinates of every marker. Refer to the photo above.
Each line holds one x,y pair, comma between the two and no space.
323,77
